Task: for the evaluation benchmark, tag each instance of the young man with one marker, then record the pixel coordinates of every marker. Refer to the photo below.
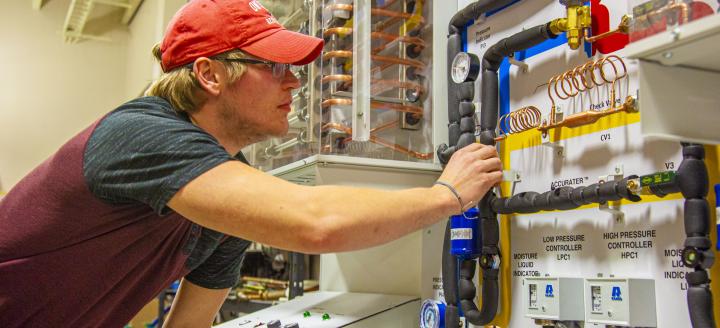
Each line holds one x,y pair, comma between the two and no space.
151,192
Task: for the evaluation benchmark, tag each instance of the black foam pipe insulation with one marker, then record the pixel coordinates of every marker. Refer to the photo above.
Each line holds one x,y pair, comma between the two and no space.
692,180
455,111
564,198
457,92
450,282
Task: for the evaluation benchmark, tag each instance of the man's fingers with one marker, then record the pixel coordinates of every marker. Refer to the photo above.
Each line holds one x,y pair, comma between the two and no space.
486,152
491,164
471,147
496,177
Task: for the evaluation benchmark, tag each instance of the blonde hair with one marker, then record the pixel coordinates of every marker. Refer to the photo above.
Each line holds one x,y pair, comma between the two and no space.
180,87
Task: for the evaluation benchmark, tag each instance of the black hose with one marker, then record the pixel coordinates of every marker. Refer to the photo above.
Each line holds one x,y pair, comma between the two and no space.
490,292
457,23
475,10
564,198
456,110
693,182
450,289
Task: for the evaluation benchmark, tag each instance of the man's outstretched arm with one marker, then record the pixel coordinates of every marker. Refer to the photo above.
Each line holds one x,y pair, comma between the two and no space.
238,200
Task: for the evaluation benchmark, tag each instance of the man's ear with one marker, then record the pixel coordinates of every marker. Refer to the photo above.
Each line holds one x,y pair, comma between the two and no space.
209,75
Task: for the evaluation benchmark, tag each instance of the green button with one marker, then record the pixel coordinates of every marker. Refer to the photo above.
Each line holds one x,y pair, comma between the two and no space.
326,316
306,314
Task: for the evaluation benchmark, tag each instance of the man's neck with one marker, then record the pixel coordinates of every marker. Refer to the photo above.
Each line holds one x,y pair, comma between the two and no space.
232,143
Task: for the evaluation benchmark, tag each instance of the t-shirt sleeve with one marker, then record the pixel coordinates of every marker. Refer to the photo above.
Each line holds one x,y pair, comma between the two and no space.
222,269
146,154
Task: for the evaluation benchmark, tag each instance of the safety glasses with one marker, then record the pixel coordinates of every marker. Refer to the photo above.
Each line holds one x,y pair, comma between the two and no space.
278,69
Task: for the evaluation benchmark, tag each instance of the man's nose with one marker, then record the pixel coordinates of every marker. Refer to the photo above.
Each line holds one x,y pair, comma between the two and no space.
290,80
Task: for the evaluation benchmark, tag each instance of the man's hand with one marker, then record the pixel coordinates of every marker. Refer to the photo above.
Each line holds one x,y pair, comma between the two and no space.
472,171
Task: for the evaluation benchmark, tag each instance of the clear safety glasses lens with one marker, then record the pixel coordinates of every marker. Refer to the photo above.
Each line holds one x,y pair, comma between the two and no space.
279,70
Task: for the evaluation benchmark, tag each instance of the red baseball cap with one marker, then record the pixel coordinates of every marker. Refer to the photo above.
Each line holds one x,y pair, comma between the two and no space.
204,28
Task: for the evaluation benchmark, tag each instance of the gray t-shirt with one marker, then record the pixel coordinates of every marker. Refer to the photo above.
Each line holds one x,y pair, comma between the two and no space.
144,152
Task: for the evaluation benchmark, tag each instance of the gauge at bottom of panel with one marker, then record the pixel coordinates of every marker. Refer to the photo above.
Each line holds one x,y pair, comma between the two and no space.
432,314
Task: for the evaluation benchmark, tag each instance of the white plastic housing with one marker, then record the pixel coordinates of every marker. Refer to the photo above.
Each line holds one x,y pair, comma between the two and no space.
620,302
553,298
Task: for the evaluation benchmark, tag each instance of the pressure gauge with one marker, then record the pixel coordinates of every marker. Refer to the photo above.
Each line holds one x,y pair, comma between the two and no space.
432,314
465,67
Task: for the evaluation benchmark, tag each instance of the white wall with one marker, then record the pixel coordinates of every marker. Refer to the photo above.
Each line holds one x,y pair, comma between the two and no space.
50,90
146,29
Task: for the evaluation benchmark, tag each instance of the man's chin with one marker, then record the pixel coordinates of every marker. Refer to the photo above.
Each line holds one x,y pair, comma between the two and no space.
281,133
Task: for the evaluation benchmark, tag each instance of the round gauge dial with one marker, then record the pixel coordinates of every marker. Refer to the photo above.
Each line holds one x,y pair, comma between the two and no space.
432,314
465,67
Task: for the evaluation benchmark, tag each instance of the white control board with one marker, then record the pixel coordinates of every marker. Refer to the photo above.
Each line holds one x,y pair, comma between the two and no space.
639,241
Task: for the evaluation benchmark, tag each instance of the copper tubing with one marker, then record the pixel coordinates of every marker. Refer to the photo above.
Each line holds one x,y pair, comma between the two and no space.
376,129
387,23
377,84
413,40
395,16
377,35
336,78
341,31
337,126
384,59
623,28
571,121
400,149
380,12
266,281
398,107
589,117
520,120
375,105
382,142
380,68
383,127
336,102
585,77
682,6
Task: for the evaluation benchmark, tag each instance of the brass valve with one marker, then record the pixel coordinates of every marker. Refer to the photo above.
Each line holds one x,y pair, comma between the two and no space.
574,25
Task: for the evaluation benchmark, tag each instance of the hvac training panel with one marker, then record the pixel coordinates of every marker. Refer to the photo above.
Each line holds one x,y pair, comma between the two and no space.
592,139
